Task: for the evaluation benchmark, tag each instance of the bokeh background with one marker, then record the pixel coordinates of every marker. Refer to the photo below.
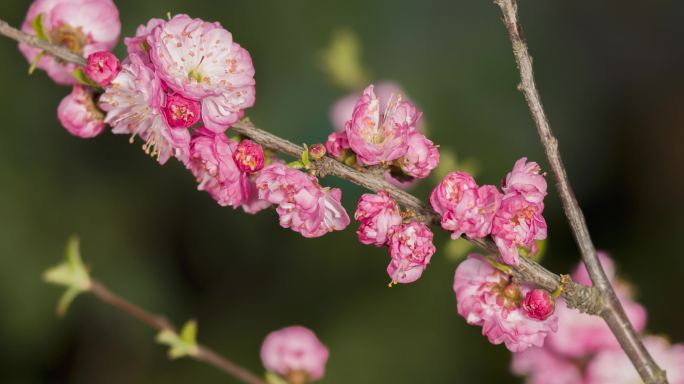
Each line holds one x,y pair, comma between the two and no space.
610,74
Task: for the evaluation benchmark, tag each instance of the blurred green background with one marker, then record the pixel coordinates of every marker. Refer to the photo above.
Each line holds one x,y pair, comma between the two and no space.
610,74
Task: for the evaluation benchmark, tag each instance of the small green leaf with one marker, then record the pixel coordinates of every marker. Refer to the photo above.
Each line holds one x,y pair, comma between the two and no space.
189,332
34,63
501,267
272,378
305,157
183,345
297,164
65,301
37,24
81,77
71,273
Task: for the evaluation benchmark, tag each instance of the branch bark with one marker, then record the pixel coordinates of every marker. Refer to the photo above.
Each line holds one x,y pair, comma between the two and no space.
612,313
160,323
33,41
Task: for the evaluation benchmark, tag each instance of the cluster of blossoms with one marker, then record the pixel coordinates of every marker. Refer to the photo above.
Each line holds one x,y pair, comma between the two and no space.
295,354
410,244
510,313
584,350
513,218
383,130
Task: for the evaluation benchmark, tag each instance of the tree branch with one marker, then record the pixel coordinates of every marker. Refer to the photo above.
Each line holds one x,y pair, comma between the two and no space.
160,323
613,313
33,41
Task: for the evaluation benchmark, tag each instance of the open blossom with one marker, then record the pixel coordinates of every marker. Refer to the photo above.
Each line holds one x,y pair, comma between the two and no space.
138,45
133,104
303,205
211,162
200,61
518,223
411,249
249,156
253,204
526,180
421,157
465,208
342,109
294,353
102,67
337,145
79,115
181,112
379,215
489,298
82,26
380,136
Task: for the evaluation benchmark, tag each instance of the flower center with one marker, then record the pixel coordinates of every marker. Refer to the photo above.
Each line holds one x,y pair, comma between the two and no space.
72,38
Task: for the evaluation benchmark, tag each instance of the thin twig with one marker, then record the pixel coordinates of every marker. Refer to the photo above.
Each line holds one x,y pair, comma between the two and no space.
613,313
33,41
583,298
160,323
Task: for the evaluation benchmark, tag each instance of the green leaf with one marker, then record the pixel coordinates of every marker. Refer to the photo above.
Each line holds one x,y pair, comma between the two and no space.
183,345
305,157
65,301
37,25
297,164
81,77
35,62
71,273
272,378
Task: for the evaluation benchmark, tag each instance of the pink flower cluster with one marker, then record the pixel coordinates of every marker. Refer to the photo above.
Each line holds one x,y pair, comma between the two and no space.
384,130
584,350
488,297
302,204
513,219
295,354
410,245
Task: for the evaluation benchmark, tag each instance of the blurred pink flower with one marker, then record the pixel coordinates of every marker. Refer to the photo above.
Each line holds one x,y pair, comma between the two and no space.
525,180
211,162
133,104
411,249
79,115
421,158
487,297
379,215
543,366
82,26
200,61
380,136
102,67
294,352
518,223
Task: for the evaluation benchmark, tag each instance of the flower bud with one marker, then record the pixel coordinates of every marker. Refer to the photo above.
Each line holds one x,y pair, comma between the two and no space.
317,151
102,67
249,156
538,304
181,111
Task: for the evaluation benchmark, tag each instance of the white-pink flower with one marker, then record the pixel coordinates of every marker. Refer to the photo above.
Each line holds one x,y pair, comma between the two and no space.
212,164
133,102
526,180
82,26
411,249
199,60
295,353
421,157
79,115
380,136
138,44
518,223
378,214
489,298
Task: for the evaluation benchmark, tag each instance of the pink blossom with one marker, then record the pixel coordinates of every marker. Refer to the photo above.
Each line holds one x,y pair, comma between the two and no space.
611,366
82,26
133,104
465,207
518,223
342,110
253,204
139,45
543,366
337,145
79,115
200,61
487,297
526,180
421,158
379,215
249,156
294,351
303,205
211,162
411,249
376,136
102,67
538,304
181,112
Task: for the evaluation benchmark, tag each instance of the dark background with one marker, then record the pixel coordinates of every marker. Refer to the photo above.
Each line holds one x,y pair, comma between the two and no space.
610,74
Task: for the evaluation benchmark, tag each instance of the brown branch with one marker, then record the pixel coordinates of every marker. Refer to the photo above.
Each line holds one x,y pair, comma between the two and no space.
613,313
33,41
160,323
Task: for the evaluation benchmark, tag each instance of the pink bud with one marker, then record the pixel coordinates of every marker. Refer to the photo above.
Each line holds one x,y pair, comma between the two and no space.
538,304
249,156
102,67
294,353
181,111
317,151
